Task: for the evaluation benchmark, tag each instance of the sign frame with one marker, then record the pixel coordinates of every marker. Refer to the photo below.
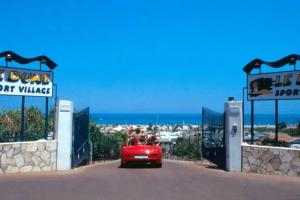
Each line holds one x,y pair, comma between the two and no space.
36,71
270,74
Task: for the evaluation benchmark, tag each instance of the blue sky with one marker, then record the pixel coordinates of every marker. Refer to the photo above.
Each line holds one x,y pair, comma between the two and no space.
152,56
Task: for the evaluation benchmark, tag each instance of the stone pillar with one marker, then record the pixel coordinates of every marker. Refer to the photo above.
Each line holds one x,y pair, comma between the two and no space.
233,135
63,133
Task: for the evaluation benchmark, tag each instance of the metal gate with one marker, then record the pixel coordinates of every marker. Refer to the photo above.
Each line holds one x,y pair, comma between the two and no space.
213,137
81,141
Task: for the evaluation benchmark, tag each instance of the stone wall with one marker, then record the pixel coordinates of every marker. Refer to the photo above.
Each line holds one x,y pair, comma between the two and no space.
271,160
28,156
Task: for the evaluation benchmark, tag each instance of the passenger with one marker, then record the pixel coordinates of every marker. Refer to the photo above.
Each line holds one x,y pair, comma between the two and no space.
129,138
143,137
153,140
137,137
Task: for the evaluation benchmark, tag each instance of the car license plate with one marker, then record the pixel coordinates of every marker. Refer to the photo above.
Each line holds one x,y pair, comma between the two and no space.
140,157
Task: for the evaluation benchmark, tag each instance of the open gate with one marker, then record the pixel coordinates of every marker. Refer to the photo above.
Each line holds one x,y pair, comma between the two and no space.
213,137
81,142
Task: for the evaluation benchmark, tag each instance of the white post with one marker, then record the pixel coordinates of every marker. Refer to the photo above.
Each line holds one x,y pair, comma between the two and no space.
233,135
63,133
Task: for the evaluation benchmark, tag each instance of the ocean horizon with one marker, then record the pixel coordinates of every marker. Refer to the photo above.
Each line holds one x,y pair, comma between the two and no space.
185,119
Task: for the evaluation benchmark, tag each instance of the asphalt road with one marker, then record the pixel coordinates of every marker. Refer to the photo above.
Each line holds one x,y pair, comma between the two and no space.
174,181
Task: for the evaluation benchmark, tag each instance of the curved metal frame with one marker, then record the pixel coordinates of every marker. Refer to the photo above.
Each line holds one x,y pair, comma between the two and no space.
256,63
12,56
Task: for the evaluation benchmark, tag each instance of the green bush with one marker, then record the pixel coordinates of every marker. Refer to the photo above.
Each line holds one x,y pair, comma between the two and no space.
10,121
105,146
186,150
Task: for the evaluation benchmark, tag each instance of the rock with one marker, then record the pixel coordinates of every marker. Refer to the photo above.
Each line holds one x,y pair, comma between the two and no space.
296,163
257,153
286,158
292,173
26,169
19,160
16,145
285,167
12,169
277,173
12,161
258,162
275,162
28,157
267,156
36,169
297,154
246,168
45,155
3,159
7,147
251,159
282,152
246,154
36,160
17,150
42,164
262,170
276,151
31,147
52,146
41,146
37,153
269,167
23,147
253,168
53,157
46,169
263,165
10,153
53,168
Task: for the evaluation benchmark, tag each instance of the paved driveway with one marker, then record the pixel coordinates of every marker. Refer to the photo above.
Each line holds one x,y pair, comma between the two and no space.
182,181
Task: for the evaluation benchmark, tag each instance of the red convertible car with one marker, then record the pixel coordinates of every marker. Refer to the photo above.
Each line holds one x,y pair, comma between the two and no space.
141,154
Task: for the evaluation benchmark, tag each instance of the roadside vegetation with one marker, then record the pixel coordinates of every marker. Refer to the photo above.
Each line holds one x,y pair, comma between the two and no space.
10,121
105,146
187,150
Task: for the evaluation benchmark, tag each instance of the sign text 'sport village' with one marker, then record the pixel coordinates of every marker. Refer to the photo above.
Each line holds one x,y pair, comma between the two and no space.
23,82
282,85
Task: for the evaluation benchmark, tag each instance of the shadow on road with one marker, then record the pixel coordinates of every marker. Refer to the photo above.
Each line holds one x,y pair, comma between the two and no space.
139,166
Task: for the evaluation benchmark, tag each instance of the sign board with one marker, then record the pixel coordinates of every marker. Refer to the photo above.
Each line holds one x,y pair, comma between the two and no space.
271,86
24,82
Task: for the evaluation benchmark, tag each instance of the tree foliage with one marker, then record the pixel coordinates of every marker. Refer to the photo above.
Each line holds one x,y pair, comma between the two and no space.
186,150
105,145
10,123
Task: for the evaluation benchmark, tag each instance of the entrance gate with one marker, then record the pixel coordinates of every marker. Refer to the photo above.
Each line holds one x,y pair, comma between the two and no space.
213,137
81,142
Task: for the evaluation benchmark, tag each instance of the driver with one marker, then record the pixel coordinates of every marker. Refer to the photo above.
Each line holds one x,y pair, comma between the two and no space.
136,138
129,136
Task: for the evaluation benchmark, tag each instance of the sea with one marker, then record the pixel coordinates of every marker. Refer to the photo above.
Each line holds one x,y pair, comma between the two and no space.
181,119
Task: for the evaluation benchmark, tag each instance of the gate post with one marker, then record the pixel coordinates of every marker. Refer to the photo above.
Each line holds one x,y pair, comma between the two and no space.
233,135
63,133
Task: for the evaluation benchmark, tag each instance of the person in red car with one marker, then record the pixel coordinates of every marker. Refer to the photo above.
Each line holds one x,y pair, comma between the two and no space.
153,140
135,139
